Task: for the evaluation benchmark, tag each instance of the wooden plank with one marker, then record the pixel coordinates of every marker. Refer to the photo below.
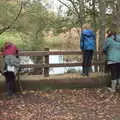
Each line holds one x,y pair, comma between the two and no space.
33,53
46,69
58,65
65,52
69,52
61,52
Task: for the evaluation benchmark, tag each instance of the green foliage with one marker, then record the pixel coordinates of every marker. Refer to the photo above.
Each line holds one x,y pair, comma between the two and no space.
61,24
54,42
33,20
32,23
7,13
10,36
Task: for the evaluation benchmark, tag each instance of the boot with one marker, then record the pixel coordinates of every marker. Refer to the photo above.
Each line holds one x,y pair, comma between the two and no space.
118,86
113,86
88,70
85,71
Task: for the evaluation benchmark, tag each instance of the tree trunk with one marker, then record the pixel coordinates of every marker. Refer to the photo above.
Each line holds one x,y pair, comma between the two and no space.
102,27
95,29
102,23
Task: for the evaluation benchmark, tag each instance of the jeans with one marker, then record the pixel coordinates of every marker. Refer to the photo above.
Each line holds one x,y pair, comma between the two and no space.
10,82
87,59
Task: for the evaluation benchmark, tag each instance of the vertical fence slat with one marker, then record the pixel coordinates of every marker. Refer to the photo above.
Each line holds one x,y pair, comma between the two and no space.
46,69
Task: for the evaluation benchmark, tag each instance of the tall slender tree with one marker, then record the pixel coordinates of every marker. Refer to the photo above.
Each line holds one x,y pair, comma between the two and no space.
102,20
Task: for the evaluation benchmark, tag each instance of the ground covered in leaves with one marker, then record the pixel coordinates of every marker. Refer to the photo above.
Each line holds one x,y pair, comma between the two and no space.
83,104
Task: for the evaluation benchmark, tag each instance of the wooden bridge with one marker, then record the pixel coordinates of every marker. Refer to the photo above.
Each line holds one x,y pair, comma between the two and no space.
73,80
46,65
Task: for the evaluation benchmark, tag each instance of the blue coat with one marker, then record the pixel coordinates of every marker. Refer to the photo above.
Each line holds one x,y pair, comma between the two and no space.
87,40
112,48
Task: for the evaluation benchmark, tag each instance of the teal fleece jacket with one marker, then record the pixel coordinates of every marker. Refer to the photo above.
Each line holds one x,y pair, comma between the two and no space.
112,48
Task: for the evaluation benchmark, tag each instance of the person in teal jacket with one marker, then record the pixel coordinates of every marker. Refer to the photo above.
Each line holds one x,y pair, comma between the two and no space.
112,52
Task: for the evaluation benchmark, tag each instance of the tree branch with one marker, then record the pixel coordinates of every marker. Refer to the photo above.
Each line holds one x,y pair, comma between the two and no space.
75,7
2,30
77,10
18,13
67,6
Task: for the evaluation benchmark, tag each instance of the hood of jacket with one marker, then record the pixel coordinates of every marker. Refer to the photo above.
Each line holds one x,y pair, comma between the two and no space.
87,32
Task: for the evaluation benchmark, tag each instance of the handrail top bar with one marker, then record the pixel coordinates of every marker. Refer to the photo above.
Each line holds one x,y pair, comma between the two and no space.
52,52
56,51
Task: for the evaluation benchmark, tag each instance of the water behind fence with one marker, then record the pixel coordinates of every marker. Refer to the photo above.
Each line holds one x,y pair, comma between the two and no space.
58,59
53,62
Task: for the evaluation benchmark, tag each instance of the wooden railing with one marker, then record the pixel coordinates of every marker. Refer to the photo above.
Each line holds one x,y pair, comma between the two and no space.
45,65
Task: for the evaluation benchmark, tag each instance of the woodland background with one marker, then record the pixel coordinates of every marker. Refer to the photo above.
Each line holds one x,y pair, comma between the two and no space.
29,22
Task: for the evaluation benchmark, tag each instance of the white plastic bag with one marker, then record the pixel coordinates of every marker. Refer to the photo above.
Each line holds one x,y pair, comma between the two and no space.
11,68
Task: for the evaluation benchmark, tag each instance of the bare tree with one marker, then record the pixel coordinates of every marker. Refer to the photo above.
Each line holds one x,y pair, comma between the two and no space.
77,8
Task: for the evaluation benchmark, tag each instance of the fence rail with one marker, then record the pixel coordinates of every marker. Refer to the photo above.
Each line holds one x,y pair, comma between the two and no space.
46,55
59,65
61,52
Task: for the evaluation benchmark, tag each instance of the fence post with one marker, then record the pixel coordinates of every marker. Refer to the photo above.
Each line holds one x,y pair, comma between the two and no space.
46,69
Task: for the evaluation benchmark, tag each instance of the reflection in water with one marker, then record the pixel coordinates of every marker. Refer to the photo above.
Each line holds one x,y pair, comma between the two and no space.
54,59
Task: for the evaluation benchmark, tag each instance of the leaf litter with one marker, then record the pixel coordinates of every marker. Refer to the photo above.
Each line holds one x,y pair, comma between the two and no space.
61,104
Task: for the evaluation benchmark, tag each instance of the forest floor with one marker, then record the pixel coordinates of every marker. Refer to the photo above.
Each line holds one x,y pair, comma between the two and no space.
62,104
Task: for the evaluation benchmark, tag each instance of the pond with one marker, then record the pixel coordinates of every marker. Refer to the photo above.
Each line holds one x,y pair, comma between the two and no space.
53,59
56,59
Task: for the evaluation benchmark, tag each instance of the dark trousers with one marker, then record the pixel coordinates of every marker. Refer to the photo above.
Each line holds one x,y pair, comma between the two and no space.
87,59
115,71
10,82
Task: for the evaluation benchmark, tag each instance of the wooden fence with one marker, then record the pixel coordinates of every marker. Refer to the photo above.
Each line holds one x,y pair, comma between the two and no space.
46,53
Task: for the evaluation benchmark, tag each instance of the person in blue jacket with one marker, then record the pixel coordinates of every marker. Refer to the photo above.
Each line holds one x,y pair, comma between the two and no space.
112,52
87,45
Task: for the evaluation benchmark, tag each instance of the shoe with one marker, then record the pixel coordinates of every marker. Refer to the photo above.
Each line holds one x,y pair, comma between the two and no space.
113,86
111,90
87,74
83,74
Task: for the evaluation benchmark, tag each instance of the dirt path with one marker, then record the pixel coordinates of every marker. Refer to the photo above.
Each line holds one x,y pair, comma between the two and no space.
83,104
